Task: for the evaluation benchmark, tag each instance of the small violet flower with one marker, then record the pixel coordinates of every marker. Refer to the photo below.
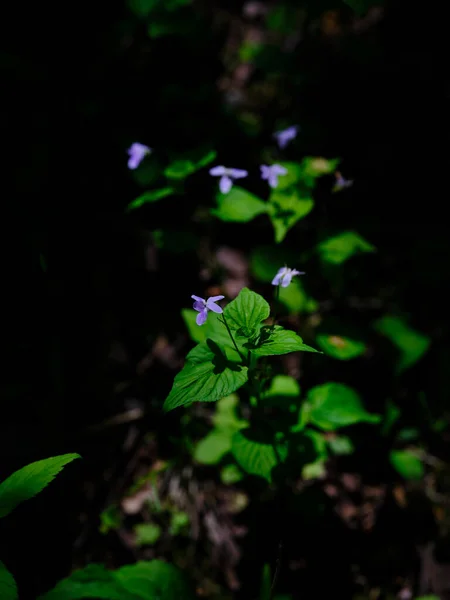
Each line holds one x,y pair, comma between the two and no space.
341,183
284,276
286,135
137,152
271,174
202,306
226,177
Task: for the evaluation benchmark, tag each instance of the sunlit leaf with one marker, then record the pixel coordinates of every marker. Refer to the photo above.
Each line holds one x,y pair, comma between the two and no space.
286,209
206,381
280,341
239,206
147,534
340,347
30,480
339,248
110,519
341,445
412,344
334,405
179,523
246,312
212,448
255,455
231,474
407,464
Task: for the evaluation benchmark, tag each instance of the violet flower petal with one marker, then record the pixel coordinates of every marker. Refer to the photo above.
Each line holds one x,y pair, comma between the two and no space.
201,317
225,184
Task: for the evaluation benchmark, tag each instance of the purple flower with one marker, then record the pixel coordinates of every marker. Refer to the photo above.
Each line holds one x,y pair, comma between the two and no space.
137,152
284,276
226,177
271,173
202,306
341,183
286,135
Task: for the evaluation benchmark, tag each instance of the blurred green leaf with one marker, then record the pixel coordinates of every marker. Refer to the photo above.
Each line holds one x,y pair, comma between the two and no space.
149,197
254,454
361,7
281,341
231,474
94,581
283,18
407,464
30,480
179,169
411,343
110,519
334,405
226,417
392,415
147,534
144,8
286,209
179,523
314,470
339,248
246,312
154,579
265,261
283,385
339,347
239,206
295,299
8,587
196,333
206,159
266,583
341,445
212,448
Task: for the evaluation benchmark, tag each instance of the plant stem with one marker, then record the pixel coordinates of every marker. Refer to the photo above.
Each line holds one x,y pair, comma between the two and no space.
275,305
224,321
277,571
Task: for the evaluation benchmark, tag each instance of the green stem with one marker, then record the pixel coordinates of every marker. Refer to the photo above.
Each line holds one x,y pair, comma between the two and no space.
224,321
275,305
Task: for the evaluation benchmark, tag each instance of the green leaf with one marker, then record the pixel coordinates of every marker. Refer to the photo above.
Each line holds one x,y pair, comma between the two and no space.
361,7
411,343
246,312
292,178
231,474
110,519
147,534
239,206
295,299
334,405
8,588
196,333
407,464
207,159
342,348
341,445
254,454
226,418
314,470
150,196
206,381
266,583
317,166
283,385
280,341
180,169
215,331
179,523
30,480
212,448
94,581
265,261
286,208
154,579
339,248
